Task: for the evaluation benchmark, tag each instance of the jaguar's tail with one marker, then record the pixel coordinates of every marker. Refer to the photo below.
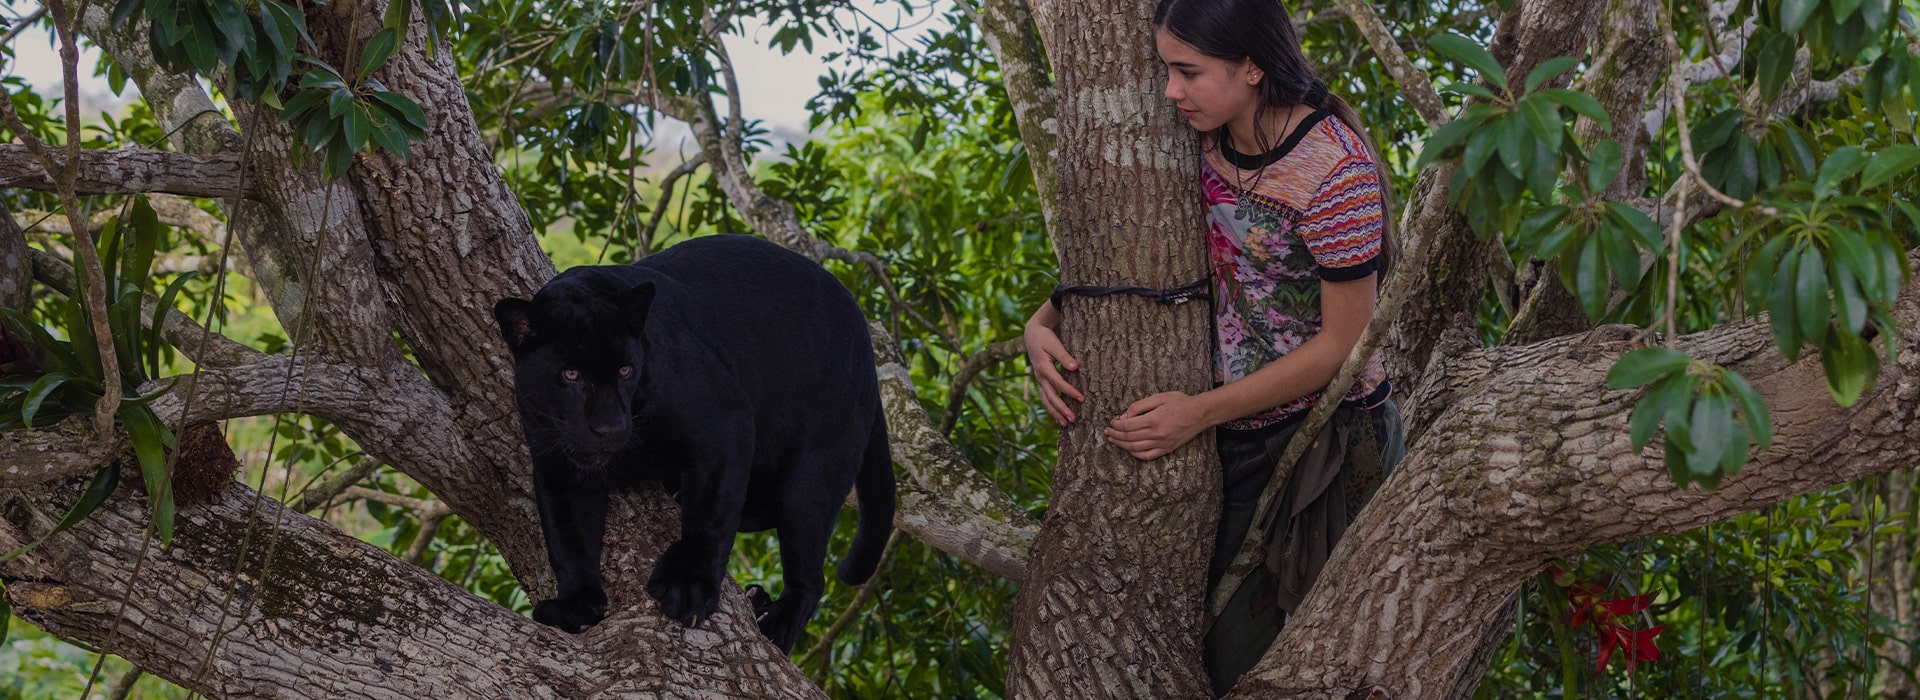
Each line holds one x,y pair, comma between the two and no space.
874,484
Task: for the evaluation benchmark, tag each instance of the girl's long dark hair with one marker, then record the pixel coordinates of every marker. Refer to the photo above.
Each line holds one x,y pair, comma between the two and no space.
1261,31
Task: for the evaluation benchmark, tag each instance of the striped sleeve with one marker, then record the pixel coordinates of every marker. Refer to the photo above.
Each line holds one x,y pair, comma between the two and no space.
1343,224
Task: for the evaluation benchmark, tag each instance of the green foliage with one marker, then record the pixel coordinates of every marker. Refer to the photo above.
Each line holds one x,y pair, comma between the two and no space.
1769,604
57,378
1820,249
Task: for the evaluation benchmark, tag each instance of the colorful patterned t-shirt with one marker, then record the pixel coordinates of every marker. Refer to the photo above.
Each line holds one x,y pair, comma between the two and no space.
1277,224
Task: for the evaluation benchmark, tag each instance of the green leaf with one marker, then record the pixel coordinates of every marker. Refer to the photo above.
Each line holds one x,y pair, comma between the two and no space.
301,102
1743,169
1447,136
1644,230
1876,12
1851,367
1462,87
1640,367
149,438
1469,53
1616,247
1843,9
1794,14
1775,64
145,231
1480,148
1514,145
1841,164
1582,104
1711,430
1795,149
1548,69
1890,163
357,128
155,338
1857,257
286,17
339,158
1603,165
1543,119
1554,242
1539,223
1590,278
1811,305
37,394
1752,409
375,53
1734,457
404,108
1780,305
1679,415
1651,408
1713,133
122,11
398,14
339,102
97,492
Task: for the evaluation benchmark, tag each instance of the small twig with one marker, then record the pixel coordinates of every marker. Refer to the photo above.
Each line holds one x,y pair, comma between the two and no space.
65,174
993,354
866,593
426,508
121,688
318,495
20,25
429,528
1673,264
1678,88
643,239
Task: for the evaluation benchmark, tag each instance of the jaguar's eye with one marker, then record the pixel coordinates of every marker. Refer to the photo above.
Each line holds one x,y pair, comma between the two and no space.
572,375
626,371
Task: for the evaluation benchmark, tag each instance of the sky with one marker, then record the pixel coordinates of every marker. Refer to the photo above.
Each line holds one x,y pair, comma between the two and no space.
775,88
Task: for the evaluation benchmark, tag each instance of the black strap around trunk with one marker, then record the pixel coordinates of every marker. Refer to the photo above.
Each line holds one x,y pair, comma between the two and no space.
1178,295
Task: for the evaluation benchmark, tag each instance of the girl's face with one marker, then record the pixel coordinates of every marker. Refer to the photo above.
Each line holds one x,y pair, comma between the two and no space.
1209,91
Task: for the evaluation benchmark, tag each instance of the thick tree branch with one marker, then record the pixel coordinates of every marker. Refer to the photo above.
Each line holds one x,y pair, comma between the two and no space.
1008,29
955,508
128,171
1537,466
307,612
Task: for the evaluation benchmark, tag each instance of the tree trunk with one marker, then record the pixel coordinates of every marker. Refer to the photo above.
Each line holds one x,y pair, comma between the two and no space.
1112,602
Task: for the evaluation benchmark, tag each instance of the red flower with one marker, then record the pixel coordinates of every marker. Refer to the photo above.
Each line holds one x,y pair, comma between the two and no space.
1637,645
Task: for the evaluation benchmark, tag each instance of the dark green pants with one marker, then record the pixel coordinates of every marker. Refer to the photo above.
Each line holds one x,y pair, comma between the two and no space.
1322,495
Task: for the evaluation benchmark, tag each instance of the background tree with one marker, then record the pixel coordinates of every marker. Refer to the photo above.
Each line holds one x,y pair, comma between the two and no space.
1709,200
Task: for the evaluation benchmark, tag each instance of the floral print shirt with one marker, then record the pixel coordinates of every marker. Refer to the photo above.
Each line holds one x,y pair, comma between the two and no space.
1277,224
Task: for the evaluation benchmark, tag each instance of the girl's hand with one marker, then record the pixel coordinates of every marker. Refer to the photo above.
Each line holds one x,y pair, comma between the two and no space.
1043,350
1158,424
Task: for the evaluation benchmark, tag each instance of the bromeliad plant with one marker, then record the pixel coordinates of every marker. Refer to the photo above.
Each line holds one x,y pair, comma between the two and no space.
44,379
1810,240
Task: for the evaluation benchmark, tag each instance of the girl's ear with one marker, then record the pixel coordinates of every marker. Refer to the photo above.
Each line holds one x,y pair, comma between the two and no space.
1251,71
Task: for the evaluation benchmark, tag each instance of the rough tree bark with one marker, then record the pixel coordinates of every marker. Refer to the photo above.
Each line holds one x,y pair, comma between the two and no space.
1112,603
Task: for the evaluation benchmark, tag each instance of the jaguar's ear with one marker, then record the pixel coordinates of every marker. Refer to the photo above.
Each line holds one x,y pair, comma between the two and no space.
515,319
634,304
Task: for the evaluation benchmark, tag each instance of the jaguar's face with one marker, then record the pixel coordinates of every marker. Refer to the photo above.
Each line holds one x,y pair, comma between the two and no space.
576,376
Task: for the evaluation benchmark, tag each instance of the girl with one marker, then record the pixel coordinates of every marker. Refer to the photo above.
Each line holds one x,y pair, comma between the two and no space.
1297,239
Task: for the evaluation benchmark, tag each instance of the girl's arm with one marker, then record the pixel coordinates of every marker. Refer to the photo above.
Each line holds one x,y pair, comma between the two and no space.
1156,425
